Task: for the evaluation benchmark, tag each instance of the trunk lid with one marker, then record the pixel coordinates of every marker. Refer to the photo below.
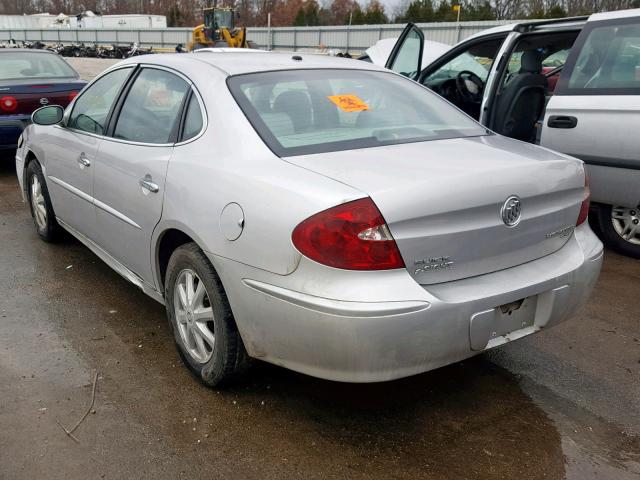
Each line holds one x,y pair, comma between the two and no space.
442,200
31,95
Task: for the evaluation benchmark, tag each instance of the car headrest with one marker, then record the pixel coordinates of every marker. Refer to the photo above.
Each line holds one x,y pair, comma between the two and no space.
297,105
531,62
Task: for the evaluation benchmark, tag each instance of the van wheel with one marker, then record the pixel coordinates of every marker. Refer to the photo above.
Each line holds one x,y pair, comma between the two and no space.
42,212
620,228
199,313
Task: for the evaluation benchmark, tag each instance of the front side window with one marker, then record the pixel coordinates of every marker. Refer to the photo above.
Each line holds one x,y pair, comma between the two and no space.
298,112
91,109
609,60
407,61
151,110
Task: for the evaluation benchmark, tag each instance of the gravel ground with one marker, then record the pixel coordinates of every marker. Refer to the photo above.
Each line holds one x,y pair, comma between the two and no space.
90,67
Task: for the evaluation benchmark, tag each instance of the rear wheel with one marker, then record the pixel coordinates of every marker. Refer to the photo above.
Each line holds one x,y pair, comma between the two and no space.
620,228
204,329
42,212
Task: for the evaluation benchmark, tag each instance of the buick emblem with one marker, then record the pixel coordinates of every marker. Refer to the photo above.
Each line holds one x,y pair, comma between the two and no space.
44,101
511,211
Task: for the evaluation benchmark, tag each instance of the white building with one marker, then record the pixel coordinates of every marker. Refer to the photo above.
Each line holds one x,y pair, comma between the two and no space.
87,20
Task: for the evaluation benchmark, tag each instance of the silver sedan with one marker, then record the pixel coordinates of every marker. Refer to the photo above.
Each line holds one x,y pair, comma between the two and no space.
318,213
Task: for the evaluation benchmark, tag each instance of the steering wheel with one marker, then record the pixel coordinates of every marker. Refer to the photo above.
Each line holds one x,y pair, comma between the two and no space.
470,86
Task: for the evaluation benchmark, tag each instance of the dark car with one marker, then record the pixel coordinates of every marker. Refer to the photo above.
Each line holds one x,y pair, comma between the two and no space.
30,79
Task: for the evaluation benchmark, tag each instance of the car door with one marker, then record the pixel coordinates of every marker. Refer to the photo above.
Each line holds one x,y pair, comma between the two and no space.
406,56
131,167
595,111
71,150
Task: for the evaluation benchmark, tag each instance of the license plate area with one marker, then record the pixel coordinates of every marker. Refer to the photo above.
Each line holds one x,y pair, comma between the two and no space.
492,327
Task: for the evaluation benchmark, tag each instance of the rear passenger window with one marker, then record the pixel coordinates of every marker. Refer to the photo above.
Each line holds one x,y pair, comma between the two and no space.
193,120
609,60
152,107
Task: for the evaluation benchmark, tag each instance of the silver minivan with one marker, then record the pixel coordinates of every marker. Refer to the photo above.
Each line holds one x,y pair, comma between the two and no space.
571,84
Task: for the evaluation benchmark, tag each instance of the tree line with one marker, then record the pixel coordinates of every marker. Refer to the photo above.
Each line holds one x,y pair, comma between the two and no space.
187,13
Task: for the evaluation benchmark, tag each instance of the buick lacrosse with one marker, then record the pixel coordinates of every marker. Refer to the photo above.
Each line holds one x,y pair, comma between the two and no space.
318,213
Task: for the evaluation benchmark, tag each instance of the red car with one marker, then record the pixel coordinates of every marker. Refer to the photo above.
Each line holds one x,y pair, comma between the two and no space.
30,79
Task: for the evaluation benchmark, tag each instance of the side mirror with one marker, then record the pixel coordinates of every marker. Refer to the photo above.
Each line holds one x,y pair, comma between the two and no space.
49,115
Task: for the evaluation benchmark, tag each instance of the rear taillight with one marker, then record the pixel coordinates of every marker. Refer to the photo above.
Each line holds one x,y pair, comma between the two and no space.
73,95
8,104
584,208
352,236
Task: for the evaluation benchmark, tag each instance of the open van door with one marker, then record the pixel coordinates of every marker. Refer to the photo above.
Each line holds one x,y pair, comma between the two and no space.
406,56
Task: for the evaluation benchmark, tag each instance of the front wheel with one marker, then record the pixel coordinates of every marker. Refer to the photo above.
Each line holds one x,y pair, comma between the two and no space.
620,228
42,212
199,313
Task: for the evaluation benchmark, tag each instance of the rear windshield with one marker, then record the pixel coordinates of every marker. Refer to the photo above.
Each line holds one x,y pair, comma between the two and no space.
18,65
299,112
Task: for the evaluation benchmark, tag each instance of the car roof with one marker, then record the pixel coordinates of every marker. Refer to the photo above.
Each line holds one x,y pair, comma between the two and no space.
228,50
558,23
240,63
634,12
528,25
26,50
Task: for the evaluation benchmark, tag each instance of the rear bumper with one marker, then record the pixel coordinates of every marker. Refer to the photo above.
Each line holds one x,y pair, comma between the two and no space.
11,127
378,326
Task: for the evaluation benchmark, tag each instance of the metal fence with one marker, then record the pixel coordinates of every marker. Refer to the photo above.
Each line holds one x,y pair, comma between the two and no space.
344,38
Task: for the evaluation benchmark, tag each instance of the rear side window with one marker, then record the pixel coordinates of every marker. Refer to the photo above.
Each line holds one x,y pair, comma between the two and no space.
17,65
92,107
193,120
298,112
608,61
151,110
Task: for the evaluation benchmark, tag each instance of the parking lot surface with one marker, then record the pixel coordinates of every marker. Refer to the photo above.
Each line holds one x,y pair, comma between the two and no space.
562,404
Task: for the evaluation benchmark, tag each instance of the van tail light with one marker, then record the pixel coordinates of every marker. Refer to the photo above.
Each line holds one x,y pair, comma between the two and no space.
351,236
586,199
8,104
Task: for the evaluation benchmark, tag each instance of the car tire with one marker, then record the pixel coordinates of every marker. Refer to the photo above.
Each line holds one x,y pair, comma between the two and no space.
42,212
610,228
218,356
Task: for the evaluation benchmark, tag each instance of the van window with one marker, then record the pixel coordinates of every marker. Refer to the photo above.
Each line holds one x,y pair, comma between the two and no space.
609,59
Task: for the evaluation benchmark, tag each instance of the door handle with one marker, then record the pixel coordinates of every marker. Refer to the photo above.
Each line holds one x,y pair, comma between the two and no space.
562,121
83,161
147,183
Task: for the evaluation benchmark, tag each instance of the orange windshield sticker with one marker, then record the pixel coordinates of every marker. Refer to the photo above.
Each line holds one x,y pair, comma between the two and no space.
349,103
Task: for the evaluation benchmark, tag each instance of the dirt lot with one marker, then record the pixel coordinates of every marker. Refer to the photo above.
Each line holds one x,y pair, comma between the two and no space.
90,67
562,404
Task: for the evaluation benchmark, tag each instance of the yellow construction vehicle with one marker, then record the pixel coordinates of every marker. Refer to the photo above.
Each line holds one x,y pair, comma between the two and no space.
218,30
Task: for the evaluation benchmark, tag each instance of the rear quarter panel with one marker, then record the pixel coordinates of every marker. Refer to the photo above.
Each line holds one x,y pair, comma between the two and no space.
230,163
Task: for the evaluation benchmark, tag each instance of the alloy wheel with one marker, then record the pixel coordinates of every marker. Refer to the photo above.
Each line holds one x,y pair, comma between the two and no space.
38,203
194,316
626,223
